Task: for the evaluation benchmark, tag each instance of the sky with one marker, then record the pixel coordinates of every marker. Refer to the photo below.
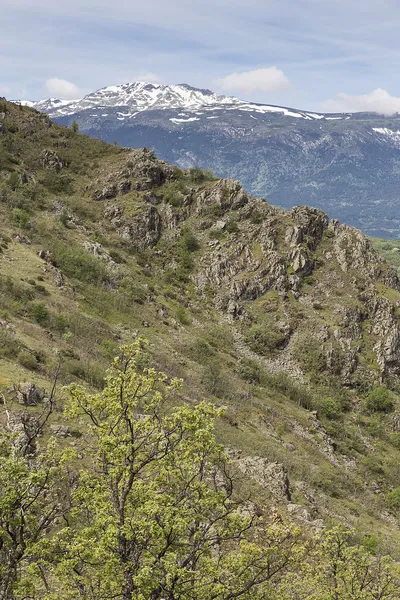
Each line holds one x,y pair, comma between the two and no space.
324,55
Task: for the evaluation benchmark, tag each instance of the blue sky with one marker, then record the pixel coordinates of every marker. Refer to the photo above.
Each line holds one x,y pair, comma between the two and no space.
315,54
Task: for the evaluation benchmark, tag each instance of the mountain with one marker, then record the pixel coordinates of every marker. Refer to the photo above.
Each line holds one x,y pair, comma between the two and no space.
287,318
345,164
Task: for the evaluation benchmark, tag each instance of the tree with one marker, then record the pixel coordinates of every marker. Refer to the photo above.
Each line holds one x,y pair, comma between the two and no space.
33,496
74,126
336,569
157,517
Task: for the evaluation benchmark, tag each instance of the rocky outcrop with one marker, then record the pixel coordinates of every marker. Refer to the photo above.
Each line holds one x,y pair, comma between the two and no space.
50,160
29,395
144,230
271,476
226,195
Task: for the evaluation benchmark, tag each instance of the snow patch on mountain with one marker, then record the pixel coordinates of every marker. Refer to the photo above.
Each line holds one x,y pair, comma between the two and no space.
140,96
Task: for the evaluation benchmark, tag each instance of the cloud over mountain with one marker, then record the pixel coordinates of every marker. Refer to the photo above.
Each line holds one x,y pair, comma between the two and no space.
266,80
379,101
61,88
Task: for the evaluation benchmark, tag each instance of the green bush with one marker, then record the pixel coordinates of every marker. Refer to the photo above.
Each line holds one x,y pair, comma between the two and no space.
20,218
188,241
57,183
75,262
250,371
39,312
8,344
27,360
198,175
309,355
284,384
393,498
265,339
379,400
328,407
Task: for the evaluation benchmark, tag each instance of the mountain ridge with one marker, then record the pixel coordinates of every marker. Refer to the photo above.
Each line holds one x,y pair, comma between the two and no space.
346,164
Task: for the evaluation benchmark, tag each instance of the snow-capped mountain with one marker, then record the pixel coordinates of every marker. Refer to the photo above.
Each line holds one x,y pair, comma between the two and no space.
142,95
346,164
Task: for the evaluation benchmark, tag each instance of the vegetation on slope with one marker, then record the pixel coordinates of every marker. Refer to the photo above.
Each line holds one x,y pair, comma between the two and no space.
276,315
153,512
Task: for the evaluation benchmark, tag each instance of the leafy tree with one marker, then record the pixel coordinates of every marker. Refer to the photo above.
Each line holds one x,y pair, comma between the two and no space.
157,519
33,496
74,126
379,400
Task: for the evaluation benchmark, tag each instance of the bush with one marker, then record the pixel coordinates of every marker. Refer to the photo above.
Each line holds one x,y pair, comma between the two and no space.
39,312
265,339
197,175
250,371
75,262
393,498
20,218
57,183
284,384
27,360
328,407
8,344
379,400
188,241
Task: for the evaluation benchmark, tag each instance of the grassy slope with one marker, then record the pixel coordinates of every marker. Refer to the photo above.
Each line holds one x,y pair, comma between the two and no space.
83,322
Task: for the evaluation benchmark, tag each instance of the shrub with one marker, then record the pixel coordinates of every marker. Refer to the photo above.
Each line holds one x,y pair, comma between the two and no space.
188,241
284,384
27,360
379,400
57,183
75,262
232,227
265,339
250,371
197,175
328,407
8,344
20,217
39,312
393,498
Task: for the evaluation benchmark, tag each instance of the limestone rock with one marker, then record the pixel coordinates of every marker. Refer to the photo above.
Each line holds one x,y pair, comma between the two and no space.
30,395
144,230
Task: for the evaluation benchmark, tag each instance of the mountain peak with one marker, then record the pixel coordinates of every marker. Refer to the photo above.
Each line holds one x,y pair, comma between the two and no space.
139,96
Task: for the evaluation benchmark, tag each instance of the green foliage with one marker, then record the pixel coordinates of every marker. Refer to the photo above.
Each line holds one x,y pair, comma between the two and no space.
75,262
289,387
39,312
198,175
20,218
188,241
57,183
379,400
250,371
265,339
74,126
151,512
393,498
8,344
310,355
27,360
13,180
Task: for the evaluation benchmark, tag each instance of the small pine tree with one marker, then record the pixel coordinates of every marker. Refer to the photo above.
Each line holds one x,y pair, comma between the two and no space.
75,126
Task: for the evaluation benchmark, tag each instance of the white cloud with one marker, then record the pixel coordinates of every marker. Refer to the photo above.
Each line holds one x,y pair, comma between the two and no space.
378,101
267,79
61,88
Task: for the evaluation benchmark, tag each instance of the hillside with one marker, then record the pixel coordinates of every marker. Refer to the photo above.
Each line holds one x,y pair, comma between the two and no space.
344,164
287,318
